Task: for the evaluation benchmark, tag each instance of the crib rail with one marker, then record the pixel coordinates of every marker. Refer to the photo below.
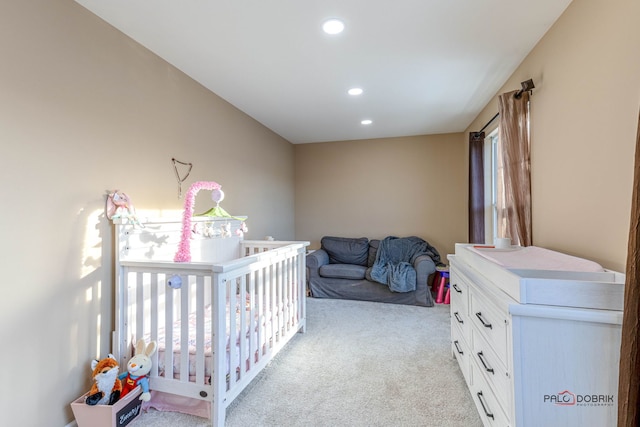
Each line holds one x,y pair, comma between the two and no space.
250,247
233,318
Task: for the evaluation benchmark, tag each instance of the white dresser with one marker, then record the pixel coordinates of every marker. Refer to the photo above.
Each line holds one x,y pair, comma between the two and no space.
537,336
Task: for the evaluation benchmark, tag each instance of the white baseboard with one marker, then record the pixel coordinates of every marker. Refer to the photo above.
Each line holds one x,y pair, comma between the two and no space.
72,424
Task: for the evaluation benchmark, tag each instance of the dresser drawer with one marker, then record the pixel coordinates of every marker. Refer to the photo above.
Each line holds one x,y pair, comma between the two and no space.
489,409
460,320
459,292
462,351
492,368
491,323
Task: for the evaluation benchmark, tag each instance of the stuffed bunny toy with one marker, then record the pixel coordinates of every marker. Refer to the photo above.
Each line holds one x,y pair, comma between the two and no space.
138,370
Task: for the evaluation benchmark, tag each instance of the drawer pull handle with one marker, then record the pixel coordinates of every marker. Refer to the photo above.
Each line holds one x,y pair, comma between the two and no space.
485,324
456,288
457,316
486,367
487,413
455,343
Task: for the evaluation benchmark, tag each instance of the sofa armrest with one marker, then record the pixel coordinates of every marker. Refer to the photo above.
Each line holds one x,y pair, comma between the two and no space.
425,267
315,260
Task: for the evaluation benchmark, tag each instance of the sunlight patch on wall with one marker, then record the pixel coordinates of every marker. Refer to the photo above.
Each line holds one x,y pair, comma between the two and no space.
98,335
94,258
92,245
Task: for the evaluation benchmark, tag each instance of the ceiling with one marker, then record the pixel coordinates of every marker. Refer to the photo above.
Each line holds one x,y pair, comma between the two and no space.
426,66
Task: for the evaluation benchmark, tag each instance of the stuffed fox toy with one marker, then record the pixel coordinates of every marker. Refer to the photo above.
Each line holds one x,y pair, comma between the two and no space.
106,386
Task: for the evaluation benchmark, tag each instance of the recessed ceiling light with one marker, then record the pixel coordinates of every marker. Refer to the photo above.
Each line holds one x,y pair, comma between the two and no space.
366,122
355,91
333,26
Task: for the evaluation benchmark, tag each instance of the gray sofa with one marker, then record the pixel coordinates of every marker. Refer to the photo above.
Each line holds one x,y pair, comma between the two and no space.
342,268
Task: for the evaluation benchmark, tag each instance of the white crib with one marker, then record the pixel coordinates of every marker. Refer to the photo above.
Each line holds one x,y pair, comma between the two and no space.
218,319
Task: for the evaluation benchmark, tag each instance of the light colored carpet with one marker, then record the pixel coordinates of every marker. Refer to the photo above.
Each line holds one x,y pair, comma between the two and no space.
358,364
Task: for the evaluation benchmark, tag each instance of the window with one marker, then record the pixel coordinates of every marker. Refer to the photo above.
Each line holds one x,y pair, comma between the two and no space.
491,186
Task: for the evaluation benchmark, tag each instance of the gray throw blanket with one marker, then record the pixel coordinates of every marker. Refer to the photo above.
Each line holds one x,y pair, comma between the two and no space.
394,261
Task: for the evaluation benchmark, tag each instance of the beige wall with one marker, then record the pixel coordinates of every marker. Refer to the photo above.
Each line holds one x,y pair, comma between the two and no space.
376,188
584,116
83,110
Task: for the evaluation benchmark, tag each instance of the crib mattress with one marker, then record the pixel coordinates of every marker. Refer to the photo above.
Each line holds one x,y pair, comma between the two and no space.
252,335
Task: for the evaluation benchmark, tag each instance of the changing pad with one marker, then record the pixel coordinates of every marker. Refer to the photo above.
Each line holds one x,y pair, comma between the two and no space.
536,258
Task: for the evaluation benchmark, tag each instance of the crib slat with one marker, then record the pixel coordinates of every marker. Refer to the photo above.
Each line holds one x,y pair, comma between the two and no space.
168,334
280,283
294,291
274,305
286,305
241,315
153,323
233,333
253,321
139,315
200,320
268,310
184,329
262,316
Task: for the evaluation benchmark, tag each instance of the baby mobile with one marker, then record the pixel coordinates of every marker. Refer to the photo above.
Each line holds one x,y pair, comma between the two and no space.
184,248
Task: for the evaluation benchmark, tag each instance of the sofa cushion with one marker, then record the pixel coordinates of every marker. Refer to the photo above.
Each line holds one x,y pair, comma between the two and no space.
373,252
367,275
343,271
346,250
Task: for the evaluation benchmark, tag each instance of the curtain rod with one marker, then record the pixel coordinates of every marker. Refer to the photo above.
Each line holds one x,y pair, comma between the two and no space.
488,123
527,86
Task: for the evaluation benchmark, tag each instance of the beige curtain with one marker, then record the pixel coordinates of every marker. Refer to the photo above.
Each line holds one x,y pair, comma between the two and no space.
514,170
629,379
